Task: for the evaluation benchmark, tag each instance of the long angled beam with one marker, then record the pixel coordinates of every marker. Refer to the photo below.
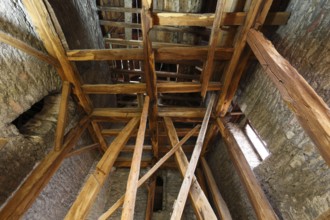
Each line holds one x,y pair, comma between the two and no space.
82,150
239,47
132,88
256,195
220,204
24,197
230,90
202,207
150,172
5,38
62,115
310,109
188,177
45,27
161,54
94,183
208,67
133,177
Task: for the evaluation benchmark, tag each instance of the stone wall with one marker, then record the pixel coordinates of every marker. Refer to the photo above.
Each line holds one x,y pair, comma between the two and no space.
294,177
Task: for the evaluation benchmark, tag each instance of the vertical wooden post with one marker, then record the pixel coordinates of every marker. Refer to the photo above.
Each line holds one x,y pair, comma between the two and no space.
62,115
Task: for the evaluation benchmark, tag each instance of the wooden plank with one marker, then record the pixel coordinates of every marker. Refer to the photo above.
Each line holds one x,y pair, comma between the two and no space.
188,177
101,140
7,39
160,54
94,183
230,90
201,205
255,193
214,37
150,172
83,150
133,177
119,41
180,132
132,88
309,108
119,9
220,204
24,197
239,47
62,116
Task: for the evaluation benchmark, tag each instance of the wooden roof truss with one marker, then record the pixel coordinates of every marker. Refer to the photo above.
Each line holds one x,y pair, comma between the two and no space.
310,109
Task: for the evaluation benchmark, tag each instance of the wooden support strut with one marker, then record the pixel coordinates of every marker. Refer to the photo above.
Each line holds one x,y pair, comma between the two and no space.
255,193
150,172
62,116
309,108
208,67
132,182
201,205
220,204
80,208
24,197
188,178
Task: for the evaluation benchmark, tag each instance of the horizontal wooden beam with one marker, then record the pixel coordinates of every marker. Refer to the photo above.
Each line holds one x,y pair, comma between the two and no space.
132,88
26,194
7,39
258,199
161,54
138,43
310,109
180,132
94,183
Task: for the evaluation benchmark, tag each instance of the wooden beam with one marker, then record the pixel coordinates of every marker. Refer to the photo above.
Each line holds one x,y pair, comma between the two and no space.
119,9
132,88
83,150
24,197
220,204
255,193
188,177
119,41
202,207
239,47
161,54
208,67
113,132
133,177
150,172
230,90
94,183
309,108
62,115
151,198
99,137
209,137
7,39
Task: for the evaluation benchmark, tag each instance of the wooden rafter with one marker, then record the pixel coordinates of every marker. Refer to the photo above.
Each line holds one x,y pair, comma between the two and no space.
187,180
62,115
133,177
258,199
150,172
242,60
24,197
310,109
87,195
44,24
201,205
208,67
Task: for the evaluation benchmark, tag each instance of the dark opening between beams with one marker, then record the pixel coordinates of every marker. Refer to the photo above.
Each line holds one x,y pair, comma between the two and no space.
158,201
29,114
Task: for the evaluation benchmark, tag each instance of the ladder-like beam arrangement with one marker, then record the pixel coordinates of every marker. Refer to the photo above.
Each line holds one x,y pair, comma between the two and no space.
258,199
200,203
150,172
188,177
87,195
24,197
133,177
309,108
